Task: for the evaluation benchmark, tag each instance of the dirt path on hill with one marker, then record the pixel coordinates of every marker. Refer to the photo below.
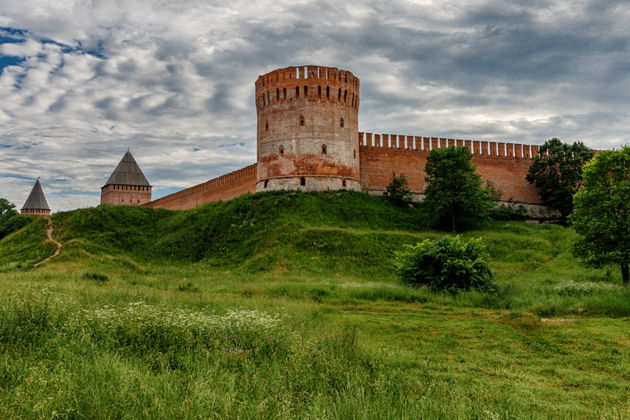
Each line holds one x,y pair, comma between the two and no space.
49,233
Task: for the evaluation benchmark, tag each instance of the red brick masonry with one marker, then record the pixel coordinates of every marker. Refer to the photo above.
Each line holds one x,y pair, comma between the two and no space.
504,164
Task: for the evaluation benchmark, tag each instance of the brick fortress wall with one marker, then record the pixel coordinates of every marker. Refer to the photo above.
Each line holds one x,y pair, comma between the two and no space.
224,187
504,164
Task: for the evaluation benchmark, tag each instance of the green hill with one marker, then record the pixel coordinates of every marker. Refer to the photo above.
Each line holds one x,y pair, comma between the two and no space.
286,305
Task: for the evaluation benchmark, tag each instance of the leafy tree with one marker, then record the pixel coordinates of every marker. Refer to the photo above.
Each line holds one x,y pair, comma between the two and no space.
602,212
398,190
454,194
557,173
448,264
10,219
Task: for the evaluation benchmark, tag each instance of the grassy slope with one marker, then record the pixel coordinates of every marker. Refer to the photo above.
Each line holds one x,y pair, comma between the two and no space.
324,262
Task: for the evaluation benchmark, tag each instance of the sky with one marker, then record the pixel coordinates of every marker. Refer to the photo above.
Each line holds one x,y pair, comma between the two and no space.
83,80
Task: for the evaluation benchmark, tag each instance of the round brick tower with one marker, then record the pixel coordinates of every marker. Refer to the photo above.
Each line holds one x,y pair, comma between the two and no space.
308,134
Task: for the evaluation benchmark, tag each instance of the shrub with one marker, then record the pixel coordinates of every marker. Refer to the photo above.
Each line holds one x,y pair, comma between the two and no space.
398,190
95,276
448,264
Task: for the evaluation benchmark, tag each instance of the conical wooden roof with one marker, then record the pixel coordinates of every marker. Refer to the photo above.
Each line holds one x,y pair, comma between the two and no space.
127,173
36,199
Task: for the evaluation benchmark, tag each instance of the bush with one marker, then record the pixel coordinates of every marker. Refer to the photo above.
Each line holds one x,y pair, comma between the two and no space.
448,264
398,190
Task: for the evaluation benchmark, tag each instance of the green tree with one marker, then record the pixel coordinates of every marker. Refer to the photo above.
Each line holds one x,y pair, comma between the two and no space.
454,194
398,190
602,212
449,264
10,219
557,173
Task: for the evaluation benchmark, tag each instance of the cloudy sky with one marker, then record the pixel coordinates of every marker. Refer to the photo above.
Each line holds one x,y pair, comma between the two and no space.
83,80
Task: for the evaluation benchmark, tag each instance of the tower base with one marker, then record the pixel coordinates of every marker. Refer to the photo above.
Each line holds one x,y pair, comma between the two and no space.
309,183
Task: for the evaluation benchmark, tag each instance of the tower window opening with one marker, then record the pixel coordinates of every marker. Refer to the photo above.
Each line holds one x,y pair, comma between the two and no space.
263,100
265,183
282,150
302,120
324,149
266,125
306,91
345,96
341,122
354,154
277,94
319,91
284,93
339,95
297,91
302,181
343,183
328,91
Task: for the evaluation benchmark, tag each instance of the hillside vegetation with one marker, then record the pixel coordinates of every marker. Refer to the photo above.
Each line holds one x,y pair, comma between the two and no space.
286,305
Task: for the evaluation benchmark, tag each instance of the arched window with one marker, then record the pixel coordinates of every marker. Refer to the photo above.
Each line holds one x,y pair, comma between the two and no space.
324,149
341,122
302,181
282,150
302,120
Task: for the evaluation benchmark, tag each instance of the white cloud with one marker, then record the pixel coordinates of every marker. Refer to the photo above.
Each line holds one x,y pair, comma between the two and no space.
166,78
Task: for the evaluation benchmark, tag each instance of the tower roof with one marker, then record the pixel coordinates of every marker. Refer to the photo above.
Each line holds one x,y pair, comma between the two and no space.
127,173
36,199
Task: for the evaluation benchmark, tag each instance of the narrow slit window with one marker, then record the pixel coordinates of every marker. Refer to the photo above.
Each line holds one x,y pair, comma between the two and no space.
342,123
306,91
284,93
328,91
339,95
266,125
354,154
302,181
277,94
324,149
302,120
297,91
265,184
343,183
319,91
345,96
282,150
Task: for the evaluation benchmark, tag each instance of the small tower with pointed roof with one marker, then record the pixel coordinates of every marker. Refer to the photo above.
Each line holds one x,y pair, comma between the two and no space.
36,204
127,185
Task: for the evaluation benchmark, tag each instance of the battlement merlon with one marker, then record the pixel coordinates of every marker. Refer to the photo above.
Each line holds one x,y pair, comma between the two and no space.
479,148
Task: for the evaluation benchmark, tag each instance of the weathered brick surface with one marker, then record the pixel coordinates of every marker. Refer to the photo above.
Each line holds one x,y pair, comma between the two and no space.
307,129
505,165
224,187
128,195
31,212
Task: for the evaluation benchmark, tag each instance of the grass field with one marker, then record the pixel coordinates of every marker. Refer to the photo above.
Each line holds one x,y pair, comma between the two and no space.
286,305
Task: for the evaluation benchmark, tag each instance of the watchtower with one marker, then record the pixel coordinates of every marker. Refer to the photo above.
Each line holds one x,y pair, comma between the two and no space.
127,185
36,204
307,133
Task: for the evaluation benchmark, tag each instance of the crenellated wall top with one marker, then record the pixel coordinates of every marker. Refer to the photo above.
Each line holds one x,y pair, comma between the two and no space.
478,148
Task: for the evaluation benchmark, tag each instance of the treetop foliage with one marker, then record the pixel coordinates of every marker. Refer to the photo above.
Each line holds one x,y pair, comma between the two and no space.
398,190
602,211
557,173
454,195
10,219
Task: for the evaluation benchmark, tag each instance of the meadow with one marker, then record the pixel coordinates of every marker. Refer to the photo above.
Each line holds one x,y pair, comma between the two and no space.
286,305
